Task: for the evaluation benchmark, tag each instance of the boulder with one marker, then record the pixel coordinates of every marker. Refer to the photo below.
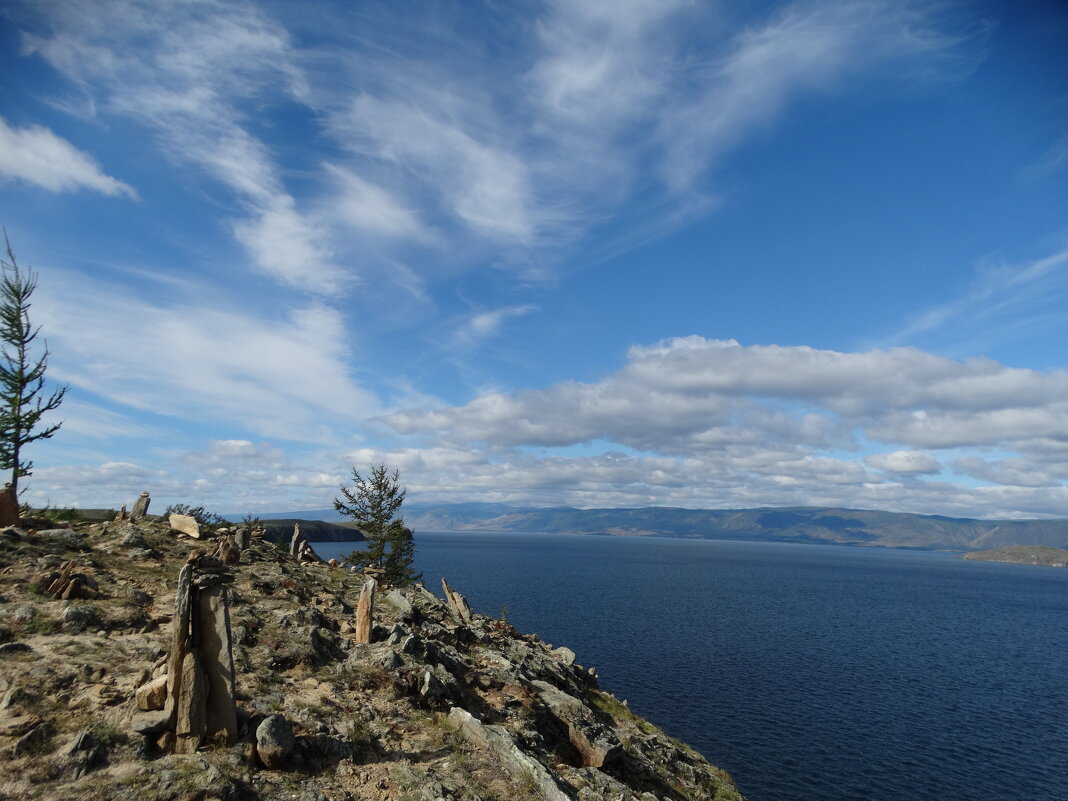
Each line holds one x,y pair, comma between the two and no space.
565,655
499,742
596,744
152,695
274,741
399,601
185,524
138,597
132,537
35,740
77,619
66,538
151,723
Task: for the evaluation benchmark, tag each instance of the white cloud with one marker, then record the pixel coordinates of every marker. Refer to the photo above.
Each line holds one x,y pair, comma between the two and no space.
1013,472
672,395
1005,301
286,378
503,155
189,77
478,180
806,47
372,209
768,425
485,324
37,156
92,421
904,462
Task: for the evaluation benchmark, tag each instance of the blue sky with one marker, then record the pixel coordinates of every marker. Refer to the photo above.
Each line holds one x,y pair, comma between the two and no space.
619,253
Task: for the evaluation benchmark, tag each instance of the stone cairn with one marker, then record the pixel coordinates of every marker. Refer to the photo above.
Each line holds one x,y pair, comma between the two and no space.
140,507
197,691
301,550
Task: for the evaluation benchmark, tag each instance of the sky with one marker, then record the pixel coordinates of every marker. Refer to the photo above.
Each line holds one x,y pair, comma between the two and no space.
602,253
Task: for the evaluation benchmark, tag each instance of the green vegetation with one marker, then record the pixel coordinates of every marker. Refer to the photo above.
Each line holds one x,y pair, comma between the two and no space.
1023,555
373,503
22,377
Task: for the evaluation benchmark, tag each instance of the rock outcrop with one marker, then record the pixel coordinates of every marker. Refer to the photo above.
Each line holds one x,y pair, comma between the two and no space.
190,676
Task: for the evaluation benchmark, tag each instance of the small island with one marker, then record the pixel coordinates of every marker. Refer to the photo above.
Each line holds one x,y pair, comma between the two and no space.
1023,555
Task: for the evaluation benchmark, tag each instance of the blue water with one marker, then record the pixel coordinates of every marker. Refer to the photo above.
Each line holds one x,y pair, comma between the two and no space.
808,672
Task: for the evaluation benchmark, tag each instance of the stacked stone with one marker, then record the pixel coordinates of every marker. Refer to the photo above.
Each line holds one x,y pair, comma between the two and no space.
301,550
229,551
197,693
140,507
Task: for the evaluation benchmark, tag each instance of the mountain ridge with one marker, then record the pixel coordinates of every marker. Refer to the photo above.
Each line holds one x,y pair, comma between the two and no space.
827,525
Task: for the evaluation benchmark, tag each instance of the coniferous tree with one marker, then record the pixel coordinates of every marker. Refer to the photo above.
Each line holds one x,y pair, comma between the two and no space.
22,377
373,502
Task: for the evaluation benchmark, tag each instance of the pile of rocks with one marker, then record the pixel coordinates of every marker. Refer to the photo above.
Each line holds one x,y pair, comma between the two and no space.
193,689
301,550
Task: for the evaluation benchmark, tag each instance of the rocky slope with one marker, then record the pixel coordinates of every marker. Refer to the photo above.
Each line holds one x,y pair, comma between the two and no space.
440,704
1023,555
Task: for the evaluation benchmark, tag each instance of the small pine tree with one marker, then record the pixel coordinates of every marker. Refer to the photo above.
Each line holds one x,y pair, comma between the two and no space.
373,502
21,377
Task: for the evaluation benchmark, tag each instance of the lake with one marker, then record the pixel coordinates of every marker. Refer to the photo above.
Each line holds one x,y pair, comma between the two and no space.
807,671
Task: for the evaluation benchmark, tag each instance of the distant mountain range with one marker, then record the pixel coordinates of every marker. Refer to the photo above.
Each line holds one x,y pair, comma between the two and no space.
805,524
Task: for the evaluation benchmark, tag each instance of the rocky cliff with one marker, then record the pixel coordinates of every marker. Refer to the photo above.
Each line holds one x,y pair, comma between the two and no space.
131,667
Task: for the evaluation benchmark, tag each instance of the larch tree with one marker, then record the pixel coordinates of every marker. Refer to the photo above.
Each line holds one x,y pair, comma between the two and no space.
23,400
373,502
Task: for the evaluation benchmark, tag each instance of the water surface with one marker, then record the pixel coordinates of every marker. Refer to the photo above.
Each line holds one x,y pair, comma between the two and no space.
809,672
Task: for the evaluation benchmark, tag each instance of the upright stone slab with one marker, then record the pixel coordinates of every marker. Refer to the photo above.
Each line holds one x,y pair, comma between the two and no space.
457,603
216,657
191,721
140,507
9,507
179,641
365,611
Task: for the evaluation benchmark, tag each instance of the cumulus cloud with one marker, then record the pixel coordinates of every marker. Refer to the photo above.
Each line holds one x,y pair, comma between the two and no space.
672,395
904,462
725,424
1012,472
37,156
